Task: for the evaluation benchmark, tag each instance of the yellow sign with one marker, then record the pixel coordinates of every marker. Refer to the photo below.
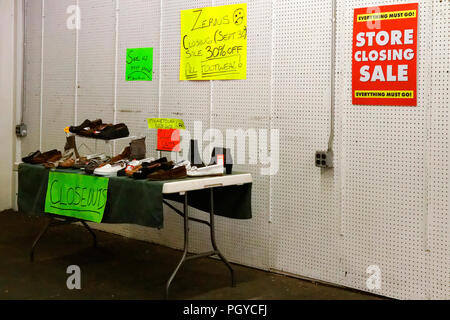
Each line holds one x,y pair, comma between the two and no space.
398,94
387,15
161,123
214,43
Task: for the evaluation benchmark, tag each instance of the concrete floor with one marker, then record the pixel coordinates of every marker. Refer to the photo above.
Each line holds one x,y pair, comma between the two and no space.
123,268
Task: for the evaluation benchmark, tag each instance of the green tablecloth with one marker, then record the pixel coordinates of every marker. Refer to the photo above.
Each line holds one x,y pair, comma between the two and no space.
135,201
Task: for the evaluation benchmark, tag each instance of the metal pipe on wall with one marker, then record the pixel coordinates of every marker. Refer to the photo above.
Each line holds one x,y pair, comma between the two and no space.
333,73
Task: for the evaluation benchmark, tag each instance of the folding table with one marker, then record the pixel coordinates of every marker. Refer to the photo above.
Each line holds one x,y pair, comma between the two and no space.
183,188
237,187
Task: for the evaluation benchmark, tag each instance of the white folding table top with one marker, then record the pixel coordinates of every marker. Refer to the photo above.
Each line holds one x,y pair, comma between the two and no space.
206,183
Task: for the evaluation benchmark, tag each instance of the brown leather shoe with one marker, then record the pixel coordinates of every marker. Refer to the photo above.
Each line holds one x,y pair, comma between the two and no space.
93,130
66,164
81,163
31,156
123,156
55,157
46,157
171,174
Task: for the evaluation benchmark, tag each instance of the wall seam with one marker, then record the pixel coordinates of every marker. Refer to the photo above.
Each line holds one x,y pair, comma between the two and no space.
116,61
42,73
428,214
77,34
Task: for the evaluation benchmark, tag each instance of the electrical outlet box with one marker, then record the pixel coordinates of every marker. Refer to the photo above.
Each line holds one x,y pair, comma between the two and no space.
324,159
21,130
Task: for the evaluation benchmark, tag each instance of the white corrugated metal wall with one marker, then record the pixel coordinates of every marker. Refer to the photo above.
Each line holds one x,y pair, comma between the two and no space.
385,203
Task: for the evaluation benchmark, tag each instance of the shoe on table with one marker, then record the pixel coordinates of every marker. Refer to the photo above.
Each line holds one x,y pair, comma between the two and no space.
53,161
92,165
171,174
49,156
30,156
81,163
69,163
183,163
143,172
67,160
110,170
215,170
125,155
151,163
132,167
138,149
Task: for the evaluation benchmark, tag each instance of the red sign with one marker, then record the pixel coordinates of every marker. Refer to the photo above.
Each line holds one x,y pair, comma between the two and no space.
168,140
385,55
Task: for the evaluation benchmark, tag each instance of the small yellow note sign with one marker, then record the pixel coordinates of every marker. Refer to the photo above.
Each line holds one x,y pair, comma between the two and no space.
214,43
164,123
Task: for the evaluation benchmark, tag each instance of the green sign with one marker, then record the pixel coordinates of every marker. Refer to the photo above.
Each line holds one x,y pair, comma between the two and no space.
77,196
139,64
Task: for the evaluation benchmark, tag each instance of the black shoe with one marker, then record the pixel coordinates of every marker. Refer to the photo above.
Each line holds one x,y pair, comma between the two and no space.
122,173
30,156
75,129
148,164
142,173
114,132
228,160
194,155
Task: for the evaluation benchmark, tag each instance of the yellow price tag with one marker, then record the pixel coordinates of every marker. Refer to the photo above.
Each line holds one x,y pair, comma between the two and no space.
164,123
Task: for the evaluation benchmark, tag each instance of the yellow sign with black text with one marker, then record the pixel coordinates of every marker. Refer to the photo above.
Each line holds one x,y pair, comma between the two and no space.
214,43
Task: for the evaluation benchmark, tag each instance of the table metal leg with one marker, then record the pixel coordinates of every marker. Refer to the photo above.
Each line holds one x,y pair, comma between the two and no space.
91,232
213,240
41,233
211,226
186,244
53,223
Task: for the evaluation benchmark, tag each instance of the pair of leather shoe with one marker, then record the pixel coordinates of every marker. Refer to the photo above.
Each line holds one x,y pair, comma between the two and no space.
163,170
126,153
148,168
99,130
85,126
176,173
49,156
30,156
110,132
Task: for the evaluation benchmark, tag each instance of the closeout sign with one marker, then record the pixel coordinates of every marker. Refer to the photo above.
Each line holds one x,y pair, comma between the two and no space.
77,196
385,55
